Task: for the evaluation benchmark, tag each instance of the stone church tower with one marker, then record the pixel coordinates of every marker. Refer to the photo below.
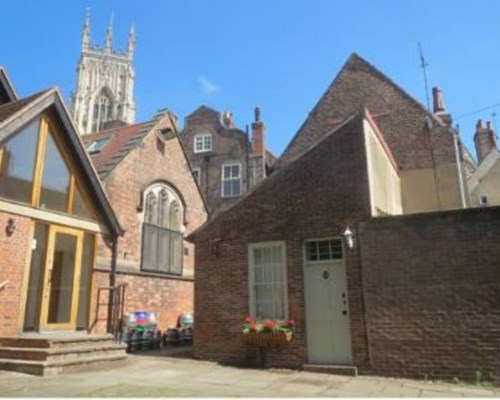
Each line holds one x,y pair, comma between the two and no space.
105,83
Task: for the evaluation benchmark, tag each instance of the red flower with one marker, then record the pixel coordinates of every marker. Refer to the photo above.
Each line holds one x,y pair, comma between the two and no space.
269,325
248,320
254,327
291,322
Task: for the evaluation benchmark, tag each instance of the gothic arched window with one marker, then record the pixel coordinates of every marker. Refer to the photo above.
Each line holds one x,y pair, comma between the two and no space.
103,109
162,238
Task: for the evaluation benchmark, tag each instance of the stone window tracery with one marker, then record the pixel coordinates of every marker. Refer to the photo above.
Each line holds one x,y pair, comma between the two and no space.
162,237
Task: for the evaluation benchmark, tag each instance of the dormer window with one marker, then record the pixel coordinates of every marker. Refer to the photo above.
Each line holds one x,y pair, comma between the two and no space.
97,145
203,142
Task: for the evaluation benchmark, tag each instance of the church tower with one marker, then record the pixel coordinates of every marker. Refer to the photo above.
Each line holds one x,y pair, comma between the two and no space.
105,83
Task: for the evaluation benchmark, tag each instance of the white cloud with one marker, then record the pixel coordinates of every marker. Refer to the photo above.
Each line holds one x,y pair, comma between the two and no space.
207,87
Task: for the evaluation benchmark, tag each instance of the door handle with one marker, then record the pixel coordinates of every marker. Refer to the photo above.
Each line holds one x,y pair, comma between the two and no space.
344,312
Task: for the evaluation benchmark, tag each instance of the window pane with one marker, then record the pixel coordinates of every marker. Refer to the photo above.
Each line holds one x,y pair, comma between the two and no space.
320,250
149,247
235,171
79,205
175,253
163,250
18,163
55,180
269,285
85,279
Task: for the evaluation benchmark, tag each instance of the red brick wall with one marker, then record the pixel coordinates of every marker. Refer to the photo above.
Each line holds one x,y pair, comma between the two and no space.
143,166
166,297
289,205
228,145
14,253
432,291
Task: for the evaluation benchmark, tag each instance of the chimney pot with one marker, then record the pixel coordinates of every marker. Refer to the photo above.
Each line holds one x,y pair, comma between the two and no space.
479,124
257,114
488,125
227,119
437,97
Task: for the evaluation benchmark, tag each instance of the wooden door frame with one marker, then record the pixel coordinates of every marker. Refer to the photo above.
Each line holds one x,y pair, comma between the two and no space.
71,325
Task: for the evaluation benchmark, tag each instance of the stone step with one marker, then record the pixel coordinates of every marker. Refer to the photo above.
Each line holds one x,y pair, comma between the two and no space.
46,368
55,341
349,370
59,353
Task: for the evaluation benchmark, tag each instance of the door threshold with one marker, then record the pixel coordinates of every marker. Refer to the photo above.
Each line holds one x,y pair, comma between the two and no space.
349,370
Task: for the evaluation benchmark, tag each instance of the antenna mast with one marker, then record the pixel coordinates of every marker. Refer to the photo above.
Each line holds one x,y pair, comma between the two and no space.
423,65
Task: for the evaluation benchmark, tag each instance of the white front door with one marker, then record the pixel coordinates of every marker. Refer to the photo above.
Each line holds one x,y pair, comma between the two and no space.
327,312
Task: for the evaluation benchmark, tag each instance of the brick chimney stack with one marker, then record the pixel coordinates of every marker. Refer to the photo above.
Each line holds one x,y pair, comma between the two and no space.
484,139
439,108
227,119
258,135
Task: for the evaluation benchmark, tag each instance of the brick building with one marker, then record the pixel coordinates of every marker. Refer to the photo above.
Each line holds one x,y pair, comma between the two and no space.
225,162
148,180
367,155
483,181
52,211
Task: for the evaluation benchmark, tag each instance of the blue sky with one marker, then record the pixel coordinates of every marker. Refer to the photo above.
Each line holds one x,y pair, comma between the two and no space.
281,55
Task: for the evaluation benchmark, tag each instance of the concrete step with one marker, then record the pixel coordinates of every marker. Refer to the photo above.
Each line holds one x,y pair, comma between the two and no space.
349,370
55,341
46,368
59,353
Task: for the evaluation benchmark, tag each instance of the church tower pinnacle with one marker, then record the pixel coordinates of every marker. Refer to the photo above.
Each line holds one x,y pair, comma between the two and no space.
86,32
131,42
104,92
109,35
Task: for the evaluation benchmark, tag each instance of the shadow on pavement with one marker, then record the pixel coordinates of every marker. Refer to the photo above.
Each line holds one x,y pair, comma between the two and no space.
185,352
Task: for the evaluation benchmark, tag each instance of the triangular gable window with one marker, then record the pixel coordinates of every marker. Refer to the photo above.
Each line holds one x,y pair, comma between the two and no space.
80,206
36,169
55,178
17,163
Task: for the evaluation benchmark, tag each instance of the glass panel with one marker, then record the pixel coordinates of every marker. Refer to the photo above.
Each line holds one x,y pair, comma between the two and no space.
85,279
55,180
163,250
36,277
149,247
79,205
336,248
175,253
18,163
61,279
269,283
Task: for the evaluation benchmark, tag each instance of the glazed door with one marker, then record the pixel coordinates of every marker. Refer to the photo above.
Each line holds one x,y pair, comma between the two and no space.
61,279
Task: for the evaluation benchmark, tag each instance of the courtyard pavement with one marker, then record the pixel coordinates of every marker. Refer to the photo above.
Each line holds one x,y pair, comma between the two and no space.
167,373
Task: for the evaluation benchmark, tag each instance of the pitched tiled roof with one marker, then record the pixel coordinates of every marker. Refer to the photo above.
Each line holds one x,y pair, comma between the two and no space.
122,140
9,109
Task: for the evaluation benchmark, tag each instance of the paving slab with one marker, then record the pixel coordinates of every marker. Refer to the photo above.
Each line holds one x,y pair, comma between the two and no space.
163,375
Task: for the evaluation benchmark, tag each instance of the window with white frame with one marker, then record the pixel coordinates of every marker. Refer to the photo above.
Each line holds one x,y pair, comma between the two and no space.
323,250
197,174
202,142
231,180
162,237
267,281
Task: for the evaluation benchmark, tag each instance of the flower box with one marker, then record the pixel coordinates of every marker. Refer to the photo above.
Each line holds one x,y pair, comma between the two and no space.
267,338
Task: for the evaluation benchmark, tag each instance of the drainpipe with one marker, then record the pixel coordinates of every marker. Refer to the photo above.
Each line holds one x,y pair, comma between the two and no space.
459,167
247,158
112,282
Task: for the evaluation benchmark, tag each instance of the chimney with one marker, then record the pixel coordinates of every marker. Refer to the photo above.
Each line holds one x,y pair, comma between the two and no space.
258,135
439,108
484,139
227,119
